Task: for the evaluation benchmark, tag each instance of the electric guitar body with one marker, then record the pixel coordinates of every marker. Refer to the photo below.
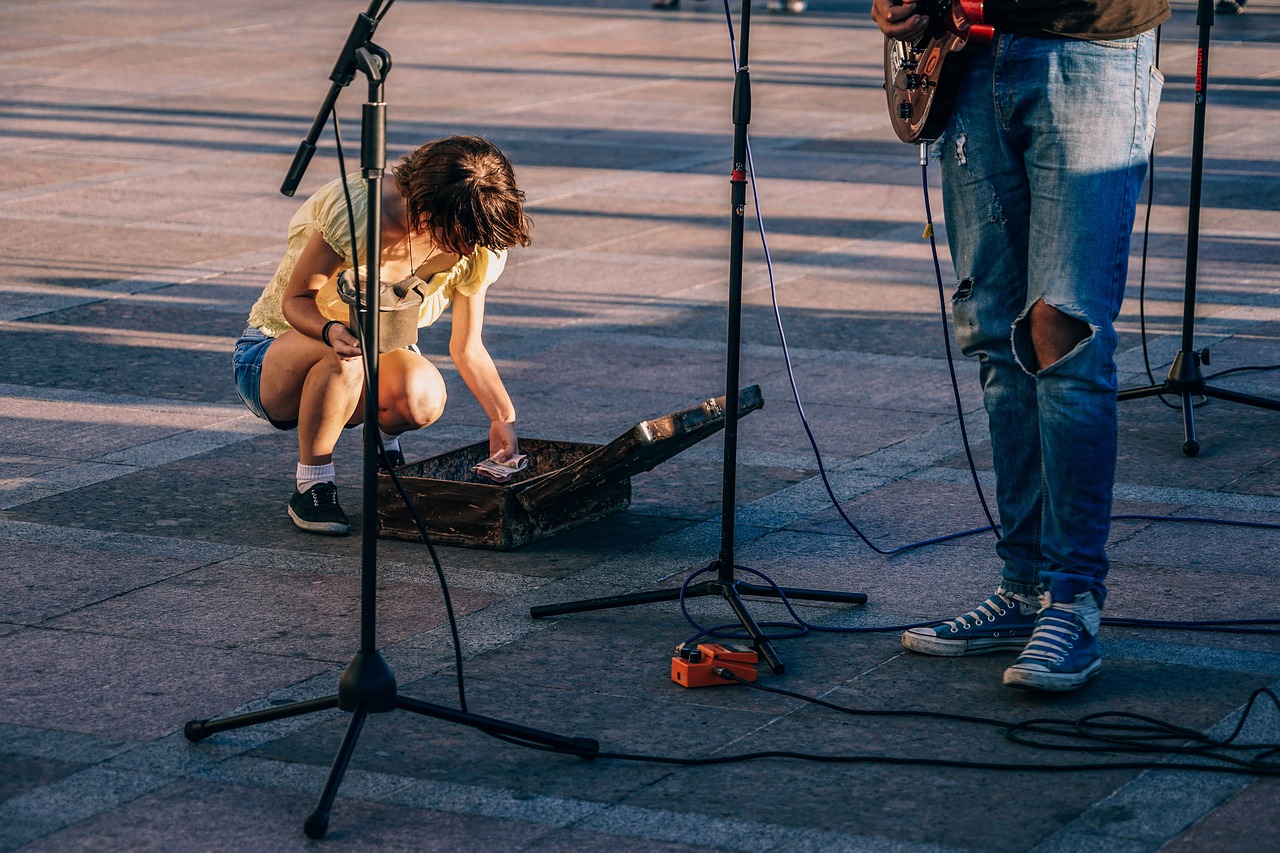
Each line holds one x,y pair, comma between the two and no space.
921,76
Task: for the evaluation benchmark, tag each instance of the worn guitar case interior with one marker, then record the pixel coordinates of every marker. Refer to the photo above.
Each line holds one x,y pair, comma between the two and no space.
565,484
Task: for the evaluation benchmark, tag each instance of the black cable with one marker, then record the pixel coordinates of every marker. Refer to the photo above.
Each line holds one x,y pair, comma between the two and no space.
1137,732
1104,732
955,388
993,526
799,627
1142,269
435,560
786,353
946,340
1231,370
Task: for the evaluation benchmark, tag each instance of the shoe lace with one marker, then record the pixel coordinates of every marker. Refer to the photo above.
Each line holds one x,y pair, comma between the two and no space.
985,612
324,494
1056,630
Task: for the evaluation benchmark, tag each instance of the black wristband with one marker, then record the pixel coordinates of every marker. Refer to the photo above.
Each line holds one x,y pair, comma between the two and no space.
324,332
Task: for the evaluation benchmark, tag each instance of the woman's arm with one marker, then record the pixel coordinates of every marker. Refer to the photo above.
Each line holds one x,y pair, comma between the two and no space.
474,363
316,264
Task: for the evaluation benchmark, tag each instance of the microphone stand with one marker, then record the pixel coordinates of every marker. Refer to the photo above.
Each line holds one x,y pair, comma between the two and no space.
725,584
1185,379
367,685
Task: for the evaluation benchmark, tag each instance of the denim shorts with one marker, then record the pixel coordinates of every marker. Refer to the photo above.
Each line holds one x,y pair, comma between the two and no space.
250,350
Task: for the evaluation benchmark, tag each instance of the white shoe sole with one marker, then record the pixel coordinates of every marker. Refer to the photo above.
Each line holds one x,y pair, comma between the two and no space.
1036,679
328,528
943,647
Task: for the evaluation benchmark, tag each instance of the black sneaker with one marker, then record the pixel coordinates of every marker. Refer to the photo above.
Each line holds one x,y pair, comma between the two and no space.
394,455
317,510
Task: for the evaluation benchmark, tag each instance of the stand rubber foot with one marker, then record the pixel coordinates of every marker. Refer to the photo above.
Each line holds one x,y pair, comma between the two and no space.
316,825
1191,448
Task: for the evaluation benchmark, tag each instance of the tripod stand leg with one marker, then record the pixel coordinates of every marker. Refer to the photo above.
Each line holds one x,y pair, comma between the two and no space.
584,747
758,639
603,603
652,596
803,594
197,730
317,823
1189,444
1241,397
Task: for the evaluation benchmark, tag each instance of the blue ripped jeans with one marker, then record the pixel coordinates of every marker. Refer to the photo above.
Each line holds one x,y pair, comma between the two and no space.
1042,164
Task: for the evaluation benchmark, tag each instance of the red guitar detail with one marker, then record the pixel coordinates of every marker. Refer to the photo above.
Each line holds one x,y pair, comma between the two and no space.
921,76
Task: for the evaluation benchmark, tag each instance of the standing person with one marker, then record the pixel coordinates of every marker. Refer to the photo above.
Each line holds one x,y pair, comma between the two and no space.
448,217
1043,158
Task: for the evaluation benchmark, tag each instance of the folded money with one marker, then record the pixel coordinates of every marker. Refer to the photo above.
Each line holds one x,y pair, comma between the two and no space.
504,469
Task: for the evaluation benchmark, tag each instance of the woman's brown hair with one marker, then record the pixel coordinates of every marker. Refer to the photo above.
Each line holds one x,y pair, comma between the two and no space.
464,190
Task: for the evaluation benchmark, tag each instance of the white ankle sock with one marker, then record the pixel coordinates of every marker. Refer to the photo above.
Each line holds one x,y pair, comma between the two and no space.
310,475
389,442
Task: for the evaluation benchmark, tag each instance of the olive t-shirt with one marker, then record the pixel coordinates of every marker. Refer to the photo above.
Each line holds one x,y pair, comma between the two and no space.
1083,19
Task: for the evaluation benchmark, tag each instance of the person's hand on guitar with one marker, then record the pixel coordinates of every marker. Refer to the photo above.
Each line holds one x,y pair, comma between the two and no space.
898,19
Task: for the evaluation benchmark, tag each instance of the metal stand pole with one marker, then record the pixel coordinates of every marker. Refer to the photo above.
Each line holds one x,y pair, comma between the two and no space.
725,584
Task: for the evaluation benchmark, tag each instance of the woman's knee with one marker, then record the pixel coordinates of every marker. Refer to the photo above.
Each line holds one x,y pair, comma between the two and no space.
416,404
347,373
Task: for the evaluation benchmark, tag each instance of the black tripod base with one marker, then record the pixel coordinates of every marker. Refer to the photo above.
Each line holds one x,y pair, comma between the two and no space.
365,689
731,590
1186,381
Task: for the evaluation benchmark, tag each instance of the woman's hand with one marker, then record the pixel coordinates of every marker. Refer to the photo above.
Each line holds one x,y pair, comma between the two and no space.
502,440
898,19
342,340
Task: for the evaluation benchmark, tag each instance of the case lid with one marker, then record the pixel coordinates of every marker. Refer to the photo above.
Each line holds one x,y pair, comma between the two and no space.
641,448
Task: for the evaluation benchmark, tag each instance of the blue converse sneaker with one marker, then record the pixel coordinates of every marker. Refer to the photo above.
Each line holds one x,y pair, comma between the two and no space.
1063,652
1004,621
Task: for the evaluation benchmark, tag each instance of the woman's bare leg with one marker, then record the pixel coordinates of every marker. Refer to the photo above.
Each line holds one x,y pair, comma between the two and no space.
304,380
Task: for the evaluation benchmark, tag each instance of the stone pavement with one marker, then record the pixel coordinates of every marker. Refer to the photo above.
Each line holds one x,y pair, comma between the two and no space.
151,575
